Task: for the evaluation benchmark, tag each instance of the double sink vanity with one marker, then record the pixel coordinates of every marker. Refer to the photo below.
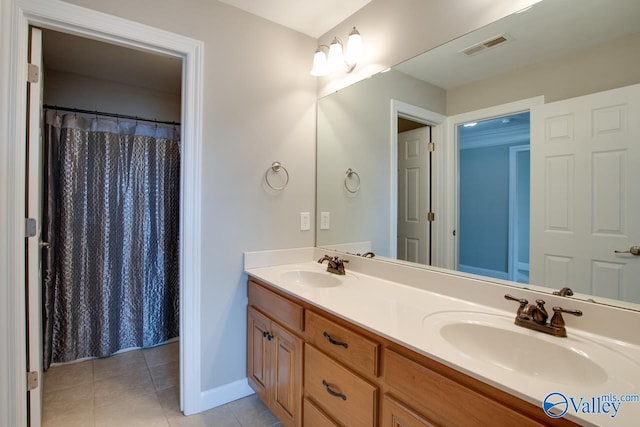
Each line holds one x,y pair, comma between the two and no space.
392,345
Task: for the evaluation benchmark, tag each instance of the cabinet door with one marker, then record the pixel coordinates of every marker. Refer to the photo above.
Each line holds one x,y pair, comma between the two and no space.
396,414
258,352
286,363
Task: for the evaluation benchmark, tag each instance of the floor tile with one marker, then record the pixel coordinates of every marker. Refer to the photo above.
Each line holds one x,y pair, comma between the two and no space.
162,354
165,376
62,376
251,412
119,364
122,388
136,388
142,410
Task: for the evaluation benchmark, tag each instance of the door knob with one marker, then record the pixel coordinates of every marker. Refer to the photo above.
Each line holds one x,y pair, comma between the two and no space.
633,250
45,245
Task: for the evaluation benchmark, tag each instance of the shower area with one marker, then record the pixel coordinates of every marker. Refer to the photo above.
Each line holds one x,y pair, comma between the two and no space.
111,199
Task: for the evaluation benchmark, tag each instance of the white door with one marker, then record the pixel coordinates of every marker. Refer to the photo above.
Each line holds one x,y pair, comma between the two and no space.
585,198
413,195
33,209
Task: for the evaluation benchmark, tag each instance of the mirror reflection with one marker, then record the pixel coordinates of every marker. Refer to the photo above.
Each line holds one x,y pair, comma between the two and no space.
534,123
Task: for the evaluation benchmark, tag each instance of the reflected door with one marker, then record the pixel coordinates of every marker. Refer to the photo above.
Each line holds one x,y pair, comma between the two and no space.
585,153
413,195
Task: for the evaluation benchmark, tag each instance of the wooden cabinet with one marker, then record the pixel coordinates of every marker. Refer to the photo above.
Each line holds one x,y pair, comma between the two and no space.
315,417
354,377
274,366
396,414
342,394
342,343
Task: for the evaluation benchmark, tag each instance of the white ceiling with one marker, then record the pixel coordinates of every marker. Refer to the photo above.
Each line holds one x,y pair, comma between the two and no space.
311,17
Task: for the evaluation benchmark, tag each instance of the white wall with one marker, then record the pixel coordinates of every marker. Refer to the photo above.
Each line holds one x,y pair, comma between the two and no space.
76,91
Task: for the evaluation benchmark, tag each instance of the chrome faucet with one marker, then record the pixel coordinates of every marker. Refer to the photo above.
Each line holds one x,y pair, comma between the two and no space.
336,265
535,317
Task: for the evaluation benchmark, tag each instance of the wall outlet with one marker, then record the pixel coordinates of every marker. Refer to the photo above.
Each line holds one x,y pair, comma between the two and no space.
325,220
305,221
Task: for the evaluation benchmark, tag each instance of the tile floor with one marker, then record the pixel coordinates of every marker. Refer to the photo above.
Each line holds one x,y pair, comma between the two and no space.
136,388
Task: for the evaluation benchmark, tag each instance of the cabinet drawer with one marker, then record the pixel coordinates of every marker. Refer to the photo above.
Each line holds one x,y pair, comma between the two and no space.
342,343
286,312
396,414
443,400
314,417
343,395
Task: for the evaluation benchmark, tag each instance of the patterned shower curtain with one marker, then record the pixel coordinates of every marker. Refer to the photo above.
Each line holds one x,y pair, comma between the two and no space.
111,216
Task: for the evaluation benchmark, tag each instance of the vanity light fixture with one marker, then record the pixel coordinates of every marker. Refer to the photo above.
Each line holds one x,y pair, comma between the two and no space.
335,59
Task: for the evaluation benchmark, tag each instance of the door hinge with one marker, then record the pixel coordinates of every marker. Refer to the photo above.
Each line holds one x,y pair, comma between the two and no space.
30,227
32,380
431,147
431,216
33,73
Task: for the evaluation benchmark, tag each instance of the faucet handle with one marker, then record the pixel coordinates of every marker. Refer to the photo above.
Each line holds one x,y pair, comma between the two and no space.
557,321
512,298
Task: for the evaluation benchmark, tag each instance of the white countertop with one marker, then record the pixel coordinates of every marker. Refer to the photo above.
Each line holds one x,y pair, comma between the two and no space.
404,314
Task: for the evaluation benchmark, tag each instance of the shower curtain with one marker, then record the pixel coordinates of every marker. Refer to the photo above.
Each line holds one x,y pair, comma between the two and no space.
111,217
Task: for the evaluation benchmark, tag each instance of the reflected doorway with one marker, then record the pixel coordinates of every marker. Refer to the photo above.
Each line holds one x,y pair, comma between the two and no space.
414,232
494,187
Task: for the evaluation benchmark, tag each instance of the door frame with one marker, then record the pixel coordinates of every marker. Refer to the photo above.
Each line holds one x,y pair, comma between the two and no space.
436,121
15,18
514,235
451,184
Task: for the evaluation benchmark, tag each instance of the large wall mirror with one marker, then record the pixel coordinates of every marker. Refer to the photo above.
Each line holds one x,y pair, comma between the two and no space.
507,153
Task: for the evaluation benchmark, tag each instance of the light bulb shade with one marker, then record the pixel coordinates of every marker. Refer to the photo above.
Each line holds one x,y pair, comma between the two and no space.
336,59
320,66
354,47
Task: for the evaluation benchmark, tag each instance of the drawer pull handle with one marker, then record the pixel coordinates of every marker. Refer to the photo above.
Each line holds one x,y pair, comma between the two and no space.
334,342
331,392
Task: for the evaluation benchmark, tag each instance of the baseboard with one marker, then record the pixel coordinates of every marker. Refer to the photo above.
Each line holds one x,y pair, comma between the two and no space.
224,394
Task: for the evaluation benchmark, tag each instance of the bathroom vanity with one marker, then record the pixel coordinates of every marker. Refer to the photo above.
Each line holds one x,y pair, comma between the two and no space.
359,350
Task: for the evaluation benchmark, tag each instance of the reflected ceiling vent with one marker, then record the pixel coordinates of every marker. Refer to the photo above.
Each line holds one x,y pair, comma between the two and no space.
486,45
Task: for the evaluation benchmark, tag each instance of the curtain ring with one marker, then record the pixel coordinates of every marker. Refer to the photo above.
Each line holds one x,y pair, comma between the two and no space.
276,167
350,172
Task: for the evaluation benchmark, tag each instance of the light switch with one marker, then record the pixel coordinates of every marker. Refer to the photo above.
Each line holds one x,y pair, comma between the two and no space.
325,219
305,221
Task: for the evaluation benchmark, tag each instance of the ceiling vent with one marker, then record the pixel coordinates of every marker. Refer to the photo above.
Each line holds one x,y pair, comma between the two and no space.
486,45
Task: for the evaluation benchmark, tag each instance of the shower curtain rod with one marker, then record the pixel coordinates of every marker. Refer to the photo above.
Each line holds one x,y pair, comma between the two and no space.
99,113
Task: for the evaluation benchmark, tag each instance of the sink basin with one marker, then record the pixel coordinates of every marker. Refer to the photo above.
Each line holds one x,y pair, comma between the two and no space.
493,340
319,279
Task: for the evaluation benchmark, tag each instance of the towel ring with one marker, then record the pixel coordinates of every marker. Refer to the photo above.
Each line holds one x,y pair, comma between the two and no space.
275,168
350,172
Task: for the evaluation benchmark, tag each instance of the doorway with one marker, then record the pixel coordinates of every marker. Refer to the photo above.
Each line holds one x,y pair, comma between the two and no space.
115,293
493,171
415,163
91,24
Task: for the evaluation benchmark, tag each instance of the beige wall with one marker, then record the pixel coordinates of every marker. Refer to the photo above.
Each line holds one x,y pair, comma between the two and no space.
76,91
611,65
